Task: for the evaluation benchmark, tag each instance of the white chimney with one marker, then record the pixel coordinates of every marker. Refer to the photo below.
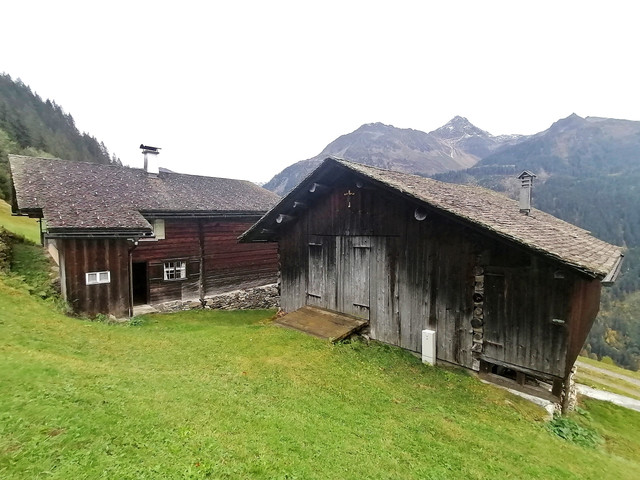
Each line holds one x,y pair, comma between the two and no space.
526,178
150,159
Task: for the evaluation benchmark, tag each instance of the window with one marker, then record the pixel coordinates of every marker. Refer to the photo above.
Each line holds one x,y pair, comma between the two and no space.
158,229
98,277
175,270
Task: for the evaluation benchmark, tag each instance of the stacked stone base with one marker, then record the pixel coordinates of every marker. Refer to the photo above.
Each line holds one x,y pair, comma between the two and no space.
264,297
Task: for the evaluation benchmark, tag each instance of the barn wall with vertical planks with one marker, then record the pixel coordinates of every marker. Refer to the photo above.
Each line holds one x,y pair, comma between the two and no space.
82,256
526,309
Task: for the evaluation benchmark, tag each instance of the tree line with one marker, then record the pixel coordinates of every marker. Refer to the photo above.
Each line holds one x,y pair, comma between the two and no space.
32,126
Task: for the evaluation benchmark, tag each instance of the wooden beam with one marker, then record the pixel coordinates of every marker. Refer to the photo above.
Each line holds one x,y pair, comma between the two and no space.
283,218
318,188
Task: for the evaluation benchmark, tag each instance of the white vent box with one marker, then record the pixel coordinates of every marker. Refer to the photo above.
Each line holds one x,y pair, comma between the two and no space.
429,347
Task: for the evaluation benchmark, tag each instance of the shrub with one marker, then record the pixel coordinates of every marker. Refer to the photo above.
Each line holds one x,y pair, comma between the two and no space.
570,430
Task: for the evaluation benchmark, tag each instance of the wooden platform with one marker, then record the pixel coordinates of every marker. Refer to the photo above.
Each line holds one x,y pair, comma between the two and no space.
322,323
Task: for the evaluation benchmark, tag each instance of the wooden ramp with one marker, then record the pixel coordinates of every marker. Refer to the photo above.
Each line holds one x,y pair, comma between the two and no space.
322,323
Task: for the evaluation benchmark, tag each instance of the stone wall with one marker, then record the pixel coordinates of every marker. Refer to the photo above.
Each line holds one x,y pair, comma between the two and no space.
265,297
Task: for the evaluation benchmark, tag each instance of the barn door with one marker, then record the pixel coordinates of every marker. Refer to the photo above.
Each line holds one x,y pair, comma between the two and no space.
522,329
338,275
321,276
353,276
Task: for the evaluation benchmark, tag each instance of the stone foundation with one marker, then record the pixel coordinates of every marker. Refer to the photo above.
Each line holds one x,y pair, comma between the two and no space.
264,297
569,398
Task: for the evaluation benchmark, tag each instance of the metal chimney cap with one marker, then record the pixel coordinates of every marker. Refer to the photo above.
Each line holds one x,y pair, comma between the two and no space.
150,149
527,174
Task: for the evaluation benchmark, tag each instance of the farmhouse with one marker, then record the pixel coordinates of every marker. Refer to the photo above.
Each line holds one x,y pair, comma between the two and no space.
499,287
126,236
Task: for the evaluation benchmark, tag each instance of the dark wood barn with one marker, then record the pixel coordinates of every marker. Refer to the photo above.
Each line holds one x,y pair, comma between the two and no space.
125,236
504,289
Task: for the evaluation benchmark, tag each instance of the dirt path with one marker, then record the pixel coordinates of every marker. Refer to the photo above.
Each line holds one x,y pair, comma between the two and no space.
619,400
586,367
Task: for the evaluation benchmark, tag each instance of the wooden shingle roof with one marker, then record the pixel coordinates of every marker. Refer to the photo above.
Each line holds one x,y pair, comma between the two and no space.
480,207
79,196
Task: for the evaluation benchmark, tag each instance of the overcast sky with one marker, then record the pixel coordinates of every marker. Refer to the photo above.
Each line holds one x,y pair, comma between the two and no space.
243,89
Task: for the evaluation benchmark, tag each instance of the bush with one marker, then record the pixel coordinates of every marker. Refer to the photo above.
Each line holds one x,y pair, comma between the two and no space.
6,239
570,430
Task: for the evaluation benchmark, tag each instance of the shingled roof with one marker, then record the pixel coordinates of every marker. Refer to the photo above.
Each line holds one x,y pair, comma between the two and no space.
79,196
482,208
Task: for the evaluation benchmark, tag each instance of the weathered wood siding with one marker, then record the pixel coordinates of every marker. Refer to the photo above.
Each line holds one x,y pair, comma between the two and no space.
81,256
585,304
365,254
526,315
374,260
230,265
211,246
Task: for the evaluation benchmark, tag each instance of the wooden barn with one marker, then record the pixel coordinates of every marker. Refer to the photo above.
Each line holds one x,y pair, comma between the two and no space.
126,236
505,288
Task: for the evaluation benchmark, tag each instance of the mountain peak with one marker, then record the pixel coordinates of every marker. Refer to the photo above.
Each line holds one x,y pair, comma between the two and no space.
572,121
459,127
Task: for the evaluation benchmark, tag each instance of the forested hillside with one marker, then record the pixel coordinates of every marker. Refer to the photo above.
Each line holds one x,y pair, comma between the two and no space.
30,125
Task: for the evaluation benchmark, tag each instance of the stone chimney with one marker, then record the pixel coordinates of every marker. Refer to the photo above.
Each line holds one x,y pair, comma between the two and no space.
150,159
526,178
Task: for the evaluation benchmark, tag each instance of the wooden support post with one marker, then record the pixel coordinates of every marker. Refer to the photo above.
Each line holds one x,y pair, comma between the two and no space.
202,290
556,390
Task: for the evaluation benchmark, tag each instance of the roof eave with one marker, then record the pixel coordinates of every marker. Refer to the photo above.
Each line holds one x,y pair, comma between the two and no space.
201,213
97,233
612,276
268,220
266,229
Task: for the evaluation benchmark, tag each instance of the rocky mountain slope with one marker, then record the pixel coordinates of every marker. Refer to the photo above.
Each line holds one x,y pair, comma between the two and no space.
454,146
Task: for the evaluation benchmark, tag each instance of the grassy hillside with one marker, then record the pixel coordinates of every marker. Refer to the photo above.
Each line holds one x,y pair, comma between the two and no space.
23,226
206,394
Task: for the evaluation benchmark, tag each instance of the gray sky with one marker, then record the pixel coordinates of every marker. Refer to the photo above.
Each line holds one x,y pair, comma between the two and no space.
243,89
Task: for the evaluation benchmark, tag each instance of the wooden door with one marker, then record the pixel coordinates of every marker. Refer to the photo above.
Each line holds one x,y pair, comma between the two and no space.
384,315
353,275
495,314
321,273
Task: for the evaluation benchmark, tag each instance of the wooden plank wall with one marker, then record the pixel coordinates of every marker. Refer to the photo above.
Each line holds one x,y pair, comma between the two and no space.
585,304
230,265
81,256
420,273
527,314
422,276
227,264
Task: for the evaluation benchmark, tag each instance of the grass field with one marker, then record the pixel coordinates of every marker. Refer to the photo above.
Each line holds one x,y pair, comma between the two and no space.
23,226
612,368
208,394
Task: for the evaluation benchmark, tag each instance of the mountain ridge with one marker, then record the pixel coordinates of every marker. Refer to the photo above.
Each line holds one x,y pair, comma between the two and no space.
454,146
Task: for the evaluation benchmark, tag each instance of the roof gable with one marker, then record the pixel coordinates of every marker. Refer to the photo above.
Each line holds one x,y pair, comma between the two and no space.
88,196
485,209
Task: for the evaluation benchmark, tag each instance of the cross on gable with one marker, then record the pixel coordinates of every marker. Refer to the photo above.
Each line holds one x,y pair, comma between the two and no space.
349,194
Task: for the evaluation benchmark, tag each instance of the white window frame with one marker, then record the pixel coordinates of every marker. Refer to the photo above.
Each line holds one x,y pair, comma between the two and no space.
158,229
96,278
175,270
